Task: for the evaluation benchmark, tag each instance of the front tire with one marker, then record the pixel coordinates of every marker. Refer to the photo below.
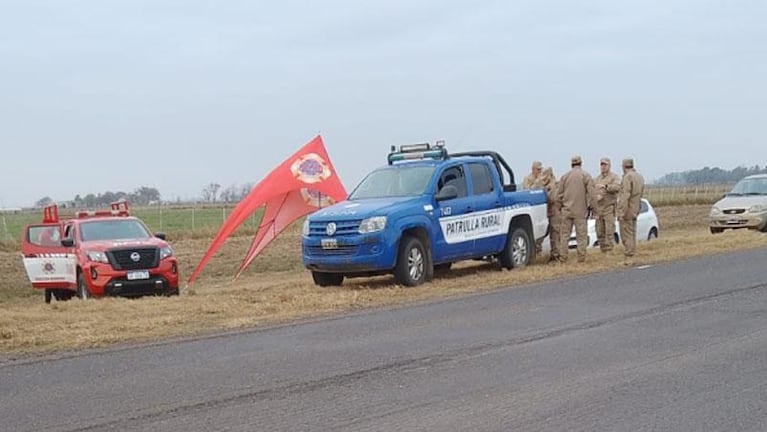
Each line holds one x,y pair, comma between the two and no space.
82,288
48,295
518,251
327,279
411,262
716,230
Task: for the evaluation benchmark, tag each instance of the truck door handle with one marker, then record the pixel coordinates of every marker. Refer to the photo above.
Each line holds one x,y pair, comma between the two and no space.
469,210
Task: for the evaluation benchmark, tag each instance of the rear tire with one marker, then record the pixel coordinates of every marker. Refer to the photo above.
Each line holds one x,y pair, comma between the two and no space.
653,234
518,251
411,262
48,295
82,288
327,279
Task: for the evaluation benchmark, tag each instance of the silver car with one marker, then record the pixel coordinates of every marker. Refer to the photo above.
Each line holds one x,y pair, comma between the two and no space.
745,206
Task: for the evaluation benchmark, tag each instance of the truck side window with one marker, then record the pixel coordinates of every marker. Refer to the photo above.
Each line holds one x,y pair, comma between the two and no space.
480,177
453,176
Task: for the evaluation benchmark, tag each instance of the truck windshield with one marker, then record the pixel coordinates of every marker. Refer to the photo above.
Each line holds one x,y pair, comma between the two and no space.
752,186
113,230
396,181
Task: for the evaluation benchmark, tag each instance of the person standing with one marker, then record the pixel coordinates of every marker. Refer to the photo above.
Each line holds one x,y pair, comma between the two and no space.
553,211
576,193
632,189
607,185
533,180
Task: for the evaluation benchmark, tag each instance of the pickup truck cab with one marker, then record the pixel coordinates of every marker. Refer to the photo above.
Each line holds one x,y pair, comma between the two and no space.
424,211
97,253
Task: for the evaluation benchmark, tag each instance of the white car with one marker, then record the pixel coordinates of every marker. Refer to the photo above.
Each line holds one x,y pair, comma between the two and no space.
647,228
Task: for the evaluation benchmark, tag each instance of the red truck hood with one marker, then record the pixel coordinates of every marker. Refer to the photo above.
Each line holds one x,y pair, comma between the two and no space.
104,245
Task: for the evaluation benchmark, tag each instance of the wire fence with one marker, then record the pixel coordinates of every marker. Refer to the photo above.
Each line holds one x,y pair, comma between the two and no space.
189,221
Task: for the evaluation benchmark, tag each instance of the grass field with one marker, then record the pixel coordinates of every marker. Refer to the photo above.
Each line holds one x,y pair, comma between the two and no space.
276,288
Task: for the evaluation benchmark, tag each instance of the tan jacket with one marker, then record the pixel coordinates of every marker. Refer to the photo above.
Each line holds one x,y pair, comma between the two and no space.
553,205
632,189
532,182
576,193
607,197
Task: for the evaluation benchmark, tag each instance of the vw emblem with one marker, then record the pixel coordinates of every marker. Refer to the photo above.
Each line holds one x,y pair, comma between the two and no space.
331,228
135,257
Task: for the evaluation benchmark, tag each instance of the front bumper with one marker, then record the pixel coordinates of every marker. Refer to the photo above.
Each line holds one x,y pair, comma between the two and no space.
357,253
743,220
163,279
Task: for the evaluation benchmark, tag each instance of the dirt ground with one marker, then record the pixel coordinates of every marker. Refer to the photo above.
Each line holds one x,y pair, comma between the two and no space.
276,289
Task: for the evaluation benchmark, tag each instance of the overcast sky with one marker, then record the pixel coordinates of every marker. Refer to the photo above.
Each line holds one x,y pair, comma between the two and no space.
100,95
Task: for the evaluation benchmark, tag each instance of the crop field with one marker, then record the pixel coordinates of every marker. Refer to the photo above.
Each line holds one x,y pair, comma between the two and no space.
276,288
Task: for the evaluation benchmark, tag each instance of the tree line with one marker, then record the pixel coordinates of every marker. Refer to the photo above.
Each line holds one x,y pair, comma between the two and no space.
146,195
709,175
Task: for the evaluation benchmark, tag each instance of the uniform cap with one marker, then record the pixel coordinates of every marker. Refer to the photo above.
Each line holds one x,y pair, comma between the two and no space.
575,160
628,163
604,160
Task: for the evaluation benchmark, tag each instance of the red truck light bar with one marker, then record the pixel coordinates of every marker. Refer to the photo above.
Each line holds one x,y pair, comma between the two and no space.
118,208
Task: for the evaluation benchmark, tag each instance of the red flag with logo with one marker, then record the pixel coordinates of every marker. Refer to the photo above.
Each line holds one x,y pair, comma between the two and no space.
300,185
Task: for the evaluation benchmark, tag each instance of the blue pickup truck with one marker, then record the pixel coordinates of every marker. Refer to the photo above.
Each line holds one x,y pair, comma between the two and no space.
423,211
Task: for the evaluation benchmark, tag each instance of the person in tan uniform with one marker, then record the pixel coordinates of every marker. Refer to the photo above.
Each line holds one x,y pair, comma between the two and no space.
632,189
607,185
576,193
553,211
533,180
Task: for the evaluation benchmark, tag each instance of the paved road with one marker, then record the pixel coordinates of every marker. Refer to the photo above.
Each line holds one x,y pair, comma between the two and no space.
680,347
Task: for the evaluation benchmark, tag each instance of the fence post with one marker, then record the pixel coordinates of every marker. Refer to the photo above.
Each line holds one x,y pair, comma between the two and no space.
160,217
193,227
5,228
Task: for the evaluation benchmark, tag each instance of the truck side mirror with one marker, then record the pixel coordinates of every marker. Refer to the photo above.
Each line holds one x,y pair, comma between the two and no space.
447,193
68,242
160,235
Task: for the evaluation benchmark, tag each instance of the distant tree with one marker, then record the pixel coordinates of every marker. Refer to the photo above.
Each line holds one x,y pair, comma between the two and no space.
229,194
708,175
210,192
44,201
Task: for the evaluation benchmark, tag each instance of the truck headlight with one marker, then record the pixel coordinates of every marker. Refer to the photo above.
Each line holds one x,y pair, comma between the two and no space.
715,211
305,228
758,208
166,252
373,224
98,256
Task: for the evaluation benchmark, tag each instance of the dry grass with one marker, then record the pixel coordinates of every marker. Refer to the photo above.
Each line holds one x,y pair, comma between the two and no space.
277,289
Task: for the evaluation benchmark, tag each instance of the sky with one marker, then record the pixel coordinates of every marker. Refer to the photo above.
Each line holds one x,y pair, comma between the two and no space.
111,95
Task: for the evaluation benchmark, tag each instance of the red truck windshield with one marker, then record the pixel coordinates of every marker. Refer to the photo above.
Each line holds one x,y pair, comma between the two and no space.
113,230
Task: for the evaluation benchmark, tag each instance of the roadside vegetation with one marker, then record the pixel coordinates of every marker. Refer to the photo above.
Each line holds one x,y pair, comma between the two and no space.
276,288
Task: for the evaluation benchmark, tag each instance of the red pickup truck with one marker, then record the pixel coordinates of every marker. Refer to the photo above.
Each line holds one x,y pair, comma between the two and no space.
97,253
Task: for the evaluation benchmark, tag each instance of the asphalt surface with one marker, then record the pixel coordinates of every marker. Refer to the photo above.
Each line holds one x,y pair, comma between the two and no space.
680,346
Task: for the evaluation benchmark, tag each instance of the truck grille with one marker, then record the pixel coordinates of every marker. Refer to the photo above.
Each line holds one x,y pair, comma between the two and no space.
349,227
122,259
346,250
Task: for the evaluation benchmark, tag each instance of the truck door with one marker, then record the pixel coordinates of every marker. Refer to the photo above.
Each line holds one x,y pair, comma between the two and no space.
451,216
489,219
47,262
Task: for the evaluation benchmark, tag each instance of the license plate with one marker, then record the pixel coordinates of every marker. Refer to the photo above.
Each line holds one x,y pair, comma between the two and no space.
733,222
329,243
138,275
